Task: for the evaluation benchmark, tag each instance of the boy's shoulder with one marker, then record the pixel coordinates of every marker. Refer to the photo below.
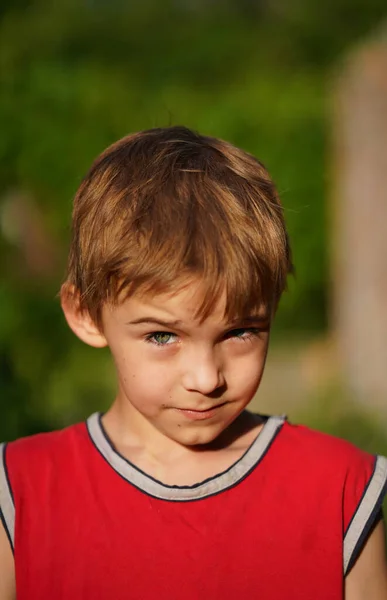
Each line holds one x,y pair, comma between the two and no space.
334,481
40,446
319,460
33,464
311,445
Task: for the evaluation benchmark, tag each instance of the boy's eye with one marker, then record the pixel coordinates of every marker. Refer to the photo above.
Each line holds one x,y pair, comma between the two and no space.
237,332
166,338
243,333
160,338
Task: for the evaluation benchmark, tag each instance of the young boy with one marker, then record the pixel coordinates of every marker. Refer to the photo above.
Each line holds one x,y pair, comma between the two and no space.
178,259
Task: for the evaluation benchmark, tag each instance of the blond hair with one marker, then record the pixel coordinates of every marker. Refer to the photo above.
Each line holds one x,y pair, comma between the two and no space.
162,205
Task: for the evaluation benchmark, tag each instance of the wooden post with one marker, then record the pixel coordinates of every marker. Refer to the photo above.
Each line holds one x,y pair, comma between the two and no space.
360,224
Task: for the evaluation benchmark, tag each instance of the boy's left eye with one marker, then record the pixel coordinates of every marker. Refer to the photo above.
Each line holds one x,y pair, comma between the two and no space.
243,333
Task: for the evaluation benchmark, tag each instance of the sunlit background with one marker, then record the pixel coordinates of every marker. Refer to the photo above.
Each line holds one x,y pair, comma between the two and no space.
302,85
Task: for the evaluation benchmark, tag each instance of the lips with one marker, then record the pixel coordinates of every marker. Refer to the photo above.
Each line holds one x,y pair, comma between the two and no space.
200,414
203,410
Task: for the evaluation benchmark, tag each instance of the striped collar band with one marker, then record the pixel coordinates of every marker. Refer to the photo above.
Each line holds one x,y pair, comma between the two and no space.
214,485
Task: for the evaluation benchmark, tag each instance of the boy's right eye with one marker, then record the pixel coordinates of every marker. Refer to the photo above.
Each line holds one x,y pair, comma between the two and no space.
160,338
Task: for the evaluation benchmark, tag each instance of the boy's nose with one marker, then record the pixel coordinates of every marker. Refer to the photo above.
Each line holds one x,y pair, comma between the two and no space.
203,374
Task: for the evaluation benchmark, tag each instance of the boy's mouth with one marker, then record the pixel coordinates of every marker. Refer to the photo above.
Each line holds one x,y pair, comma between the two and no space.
200,414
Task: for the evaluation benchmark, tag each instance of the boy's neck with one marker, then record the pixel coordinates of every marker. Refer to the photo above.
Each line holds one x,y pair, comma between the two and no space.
169,461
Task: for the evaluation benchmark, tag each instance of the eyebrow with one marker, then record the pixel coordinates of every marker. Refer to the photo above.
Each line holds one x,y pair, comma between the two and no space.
152,320
177,323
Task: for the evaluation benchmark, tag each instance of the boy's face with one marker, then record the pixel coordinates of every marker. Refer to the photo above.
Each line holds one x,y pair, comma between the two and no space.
187,379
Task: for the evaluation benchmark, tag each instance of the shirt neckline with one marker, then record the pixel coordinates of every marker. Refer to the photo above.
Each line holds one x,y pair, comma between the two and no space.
209,487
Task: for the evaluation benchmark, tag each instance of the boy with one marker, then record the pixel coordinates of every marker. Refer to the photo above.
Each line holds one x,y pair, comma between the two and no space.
178,259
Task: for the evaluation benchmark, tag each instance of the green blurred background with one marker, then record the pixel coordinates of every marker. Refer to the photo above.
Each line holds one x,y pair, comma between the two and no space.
76,76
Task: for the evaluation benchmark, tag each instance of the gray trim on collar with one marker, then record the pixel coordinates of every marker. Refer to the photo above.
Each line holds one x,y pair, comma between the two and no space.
366,511
209,487
6,501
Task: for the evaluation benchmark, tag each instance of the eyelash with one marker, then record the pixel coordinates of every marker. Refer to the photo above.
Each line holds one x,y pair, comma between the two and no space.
251,333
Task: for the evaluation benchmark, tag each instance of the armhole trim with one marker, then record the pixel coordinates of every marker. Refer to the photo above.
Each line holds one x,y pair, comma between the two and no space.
7,506
366,512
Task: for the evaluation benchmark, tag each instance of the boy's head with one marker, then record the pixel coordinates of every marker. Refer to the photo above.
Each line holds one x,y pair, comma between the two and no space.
178,259
162,205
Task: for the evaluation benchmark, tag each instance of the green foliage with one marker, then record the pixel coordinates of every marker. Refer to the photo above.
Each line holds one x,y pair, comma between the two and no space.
75,77
336,414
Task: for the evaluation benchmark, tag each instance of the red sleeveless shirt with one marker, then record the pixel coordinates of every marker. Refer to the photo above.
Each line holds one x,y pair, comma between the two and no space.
285,521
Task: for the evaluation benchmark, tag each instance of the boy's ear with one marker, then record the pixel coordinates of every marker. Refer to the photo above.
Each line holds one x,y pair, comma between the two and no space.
79,320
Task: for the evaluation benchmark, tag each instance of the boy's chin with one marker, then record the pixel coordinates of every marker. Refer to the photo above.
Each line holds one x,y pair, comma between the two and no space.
199,435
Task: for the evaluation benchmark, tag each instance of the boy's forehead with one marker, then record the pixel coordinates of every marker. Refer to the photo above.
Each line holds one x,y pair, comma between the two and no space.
181,304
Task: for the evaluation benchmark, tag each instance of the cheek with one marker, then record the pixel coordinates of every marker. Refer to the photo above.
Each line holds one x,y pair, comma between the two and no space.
142,377
244,374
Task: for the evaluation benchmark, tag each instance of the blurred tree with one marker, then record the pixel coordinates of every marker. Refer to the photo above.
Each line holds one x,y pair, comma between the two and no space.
76,76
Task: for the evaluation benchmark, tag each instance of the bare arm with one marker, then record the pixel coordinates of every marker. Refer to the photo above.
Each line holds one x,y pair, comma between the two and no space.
7,568
367,579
